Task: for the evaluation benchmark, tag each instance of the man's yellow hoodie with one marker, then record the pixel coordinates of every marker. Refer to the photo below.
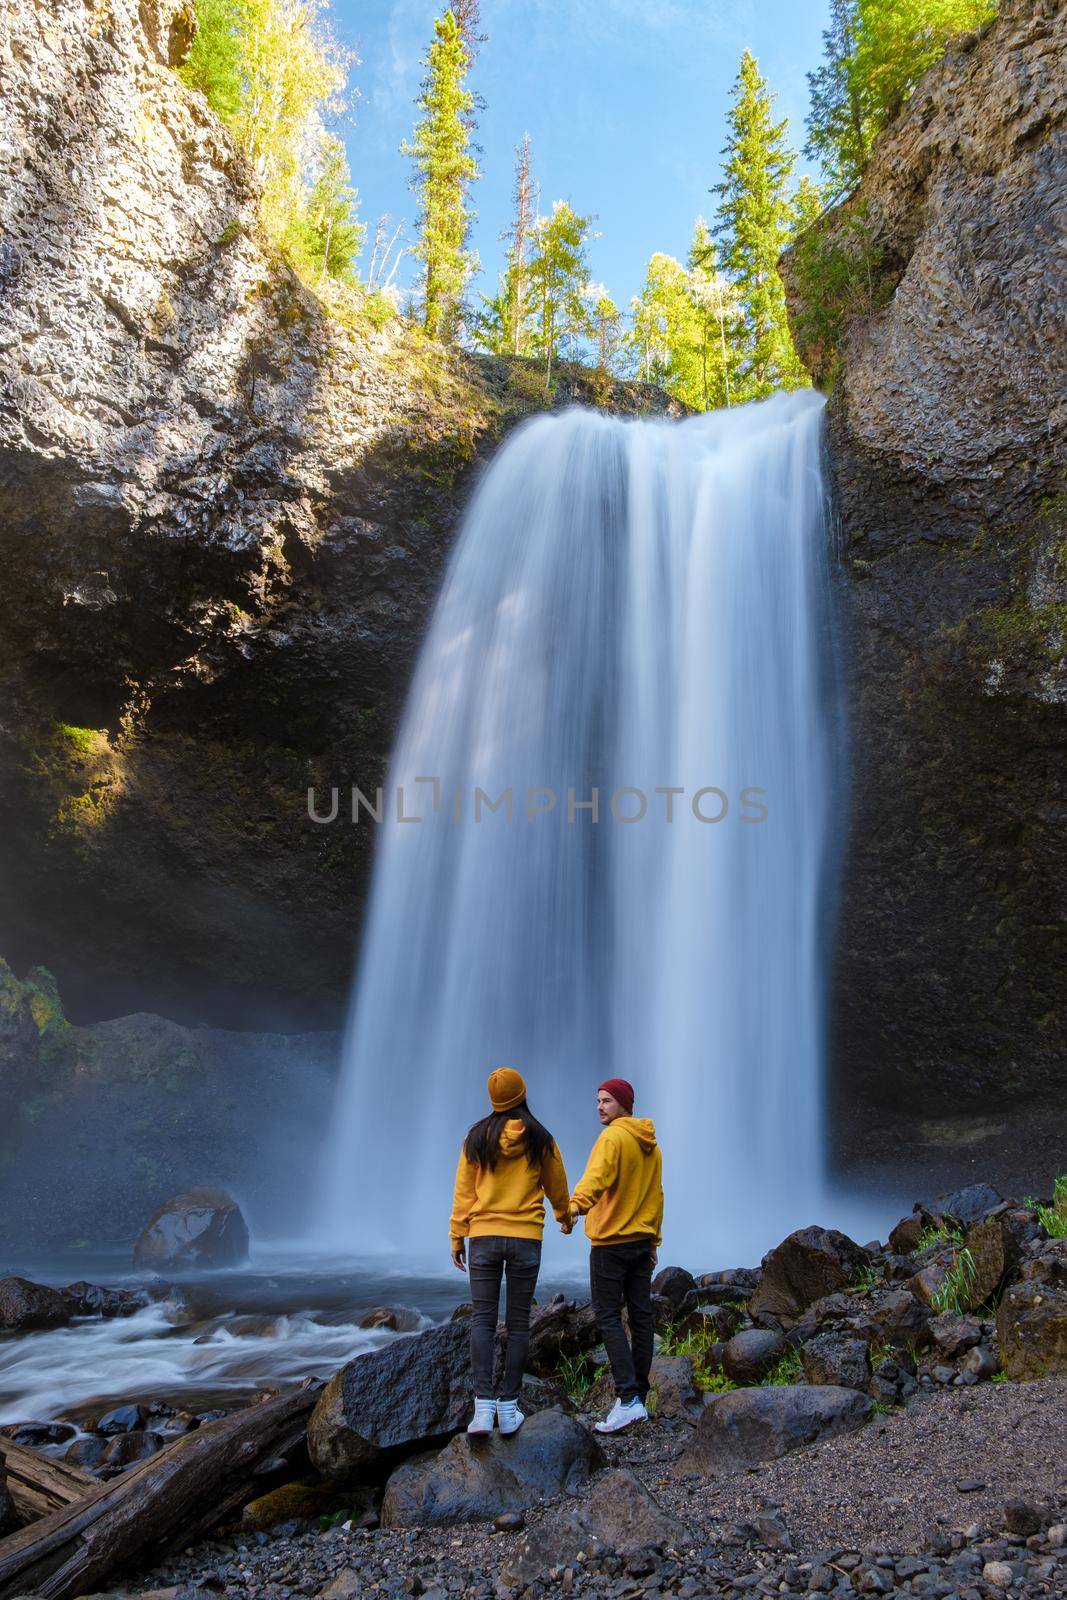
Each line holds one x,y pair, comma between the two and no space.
621,1190
507,1200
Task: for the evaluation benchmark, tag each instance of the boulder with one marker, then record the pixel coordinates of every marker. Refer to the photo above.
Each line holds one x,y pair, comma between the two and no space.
751,1354
618,1517
1032,1316
954,1334
676,1393
304,1501
710,1322
898,1318
675,1285
400,1319
25,1305
38,1434
740,1429
477,1480
126,1449
122,1419
967,1205
810,1263
199,1228
408,1396
91,1300
737,1282
835,1358
904,1238
561,1327
995,1247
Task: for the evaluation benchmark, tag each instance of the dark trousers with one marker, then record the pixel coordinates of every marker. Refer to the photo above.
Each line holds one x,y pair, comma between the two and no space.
489,1259
621,1274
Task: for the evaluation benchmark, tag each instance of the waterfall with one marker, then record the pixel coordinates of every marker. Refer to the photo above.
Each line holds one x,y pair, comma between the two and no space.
631,607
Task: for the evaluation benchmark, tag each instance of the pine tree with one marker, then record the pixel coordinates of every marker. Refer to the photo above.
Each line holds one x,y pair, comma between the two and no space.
334,236
715,302
558,275
444,171
754,225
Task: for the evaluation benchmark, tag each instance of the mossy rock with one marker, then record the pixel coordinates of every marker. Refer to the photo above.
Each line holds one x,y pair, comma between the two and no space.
301,1501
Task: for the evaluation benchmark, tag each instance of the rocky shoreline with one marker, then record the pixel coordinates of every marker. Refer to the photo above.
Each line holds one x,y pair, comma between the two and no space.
883,1419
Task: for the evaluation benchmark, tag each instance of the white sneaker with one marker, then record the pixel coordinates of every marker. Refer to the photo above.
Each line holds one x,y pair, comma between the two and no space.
483,1418
622,1415
509,1419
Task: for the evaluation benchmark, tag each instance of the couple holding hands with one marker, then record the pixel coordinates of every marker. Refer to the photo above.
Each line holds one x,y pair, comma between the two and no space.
508,1161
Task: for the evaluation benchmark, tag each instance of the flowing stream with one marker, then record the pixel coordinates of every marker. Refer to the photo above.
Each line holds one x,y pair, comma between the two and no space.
638,609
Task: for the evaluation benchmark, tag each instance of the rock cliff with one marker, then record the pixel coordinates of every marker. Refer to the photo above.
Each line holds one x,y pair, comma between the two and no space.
225,501
931,300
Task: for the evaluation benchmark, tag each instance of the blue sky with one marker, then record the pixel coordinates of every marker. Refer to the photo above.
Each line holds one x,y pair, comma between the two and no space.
624,102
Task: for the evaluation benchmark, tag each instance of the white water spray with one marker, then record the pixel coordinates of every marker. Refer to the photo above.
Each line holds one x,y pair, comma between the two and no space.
639,607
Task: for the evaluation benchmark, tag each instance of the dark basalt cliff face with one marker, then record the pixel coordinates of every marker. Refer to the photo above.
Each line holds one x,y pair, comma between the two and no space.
224,512
945,432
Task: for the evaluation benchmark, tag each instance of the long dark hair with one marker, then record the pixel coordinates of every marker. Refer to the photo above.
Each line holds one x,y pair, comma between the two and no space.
482,1144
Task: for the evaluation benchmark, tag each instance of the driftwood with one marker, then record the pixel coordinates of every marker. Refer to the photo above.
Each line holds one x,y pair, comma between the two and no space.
39,1484
173,1497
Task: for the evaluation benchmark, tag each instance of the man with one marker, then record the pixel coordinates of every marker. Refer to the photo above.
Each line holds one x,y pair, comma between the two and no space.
621,1197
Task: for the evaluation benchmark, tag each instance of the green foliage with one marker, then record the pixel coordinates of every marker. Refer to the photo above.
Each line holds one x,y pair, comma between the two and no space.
868,1278
697,1345
574,1378
272,71
838,276
953,1293
787,1369
755,221
1053,1218
444,169
558,275
1000,1377
942,1233
608,334
684,325
875,52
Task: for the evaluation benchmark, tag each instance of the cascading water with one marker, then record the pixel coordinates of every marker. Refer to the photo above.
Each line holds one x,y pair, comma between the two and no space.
632,608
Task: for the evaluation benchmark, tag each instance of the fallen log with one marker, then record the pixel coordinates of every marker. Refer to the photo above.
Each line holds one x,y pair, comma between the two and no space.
173,1497
39,1484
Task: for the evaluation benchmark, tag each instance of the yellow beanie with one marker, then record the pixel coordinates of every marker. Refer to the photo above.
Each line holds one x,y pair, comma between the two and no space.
506,1088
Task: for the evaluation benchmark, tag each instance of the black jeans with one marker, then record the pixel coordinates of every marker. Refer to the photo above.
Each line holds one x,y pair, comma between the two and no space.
490,1258
618,1274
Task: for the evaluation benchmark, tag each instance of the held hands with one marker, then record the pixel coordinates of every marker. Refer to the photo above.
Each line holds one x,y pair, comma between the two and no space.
459,1256
567,1225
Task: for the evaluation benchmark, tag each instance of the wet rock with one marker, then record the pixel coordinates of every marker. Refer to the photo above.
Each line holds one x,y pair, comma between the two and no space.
1032,1315
966,1206
91,1300
401,1319
810,1263
87,1452
740,1429
475,1480
619,1517
676,1394
25,1305
199,1228
126,1449
414,1392
835,1358
37,1434
749,1355
123,1419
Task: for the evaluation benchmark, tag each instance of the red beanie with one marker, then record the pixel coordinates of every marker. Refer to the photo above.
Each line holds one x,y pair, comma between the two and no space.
620,1090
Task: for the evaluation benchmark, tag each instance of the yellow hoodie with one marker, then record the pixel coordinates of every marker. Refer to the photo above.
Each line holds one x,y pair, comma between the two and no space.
507,1200
621,1190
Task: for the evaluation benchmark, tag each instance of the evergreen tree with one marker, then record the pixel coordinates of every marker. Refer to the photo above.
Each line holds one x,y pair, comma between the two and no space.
608,333
444,171
895,41
755,218
715,302
558,275
334,236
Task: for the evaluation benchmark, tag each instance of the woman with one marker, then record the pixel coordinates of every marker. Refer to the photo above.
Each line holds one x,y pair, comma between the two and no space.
508,1160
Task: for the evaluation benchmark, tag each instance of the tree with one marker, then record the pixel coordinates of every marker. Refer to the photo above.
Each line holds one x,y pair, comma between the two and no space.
608,333
334,236
518,237
274,72
875,51
716,304
558,275
755,222
444,171
380,274
839,126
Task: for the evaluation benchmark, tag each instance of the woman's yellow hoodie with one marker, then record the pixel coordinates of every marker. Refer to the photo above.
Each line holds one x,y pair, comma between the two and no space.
507,1200
621,1190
